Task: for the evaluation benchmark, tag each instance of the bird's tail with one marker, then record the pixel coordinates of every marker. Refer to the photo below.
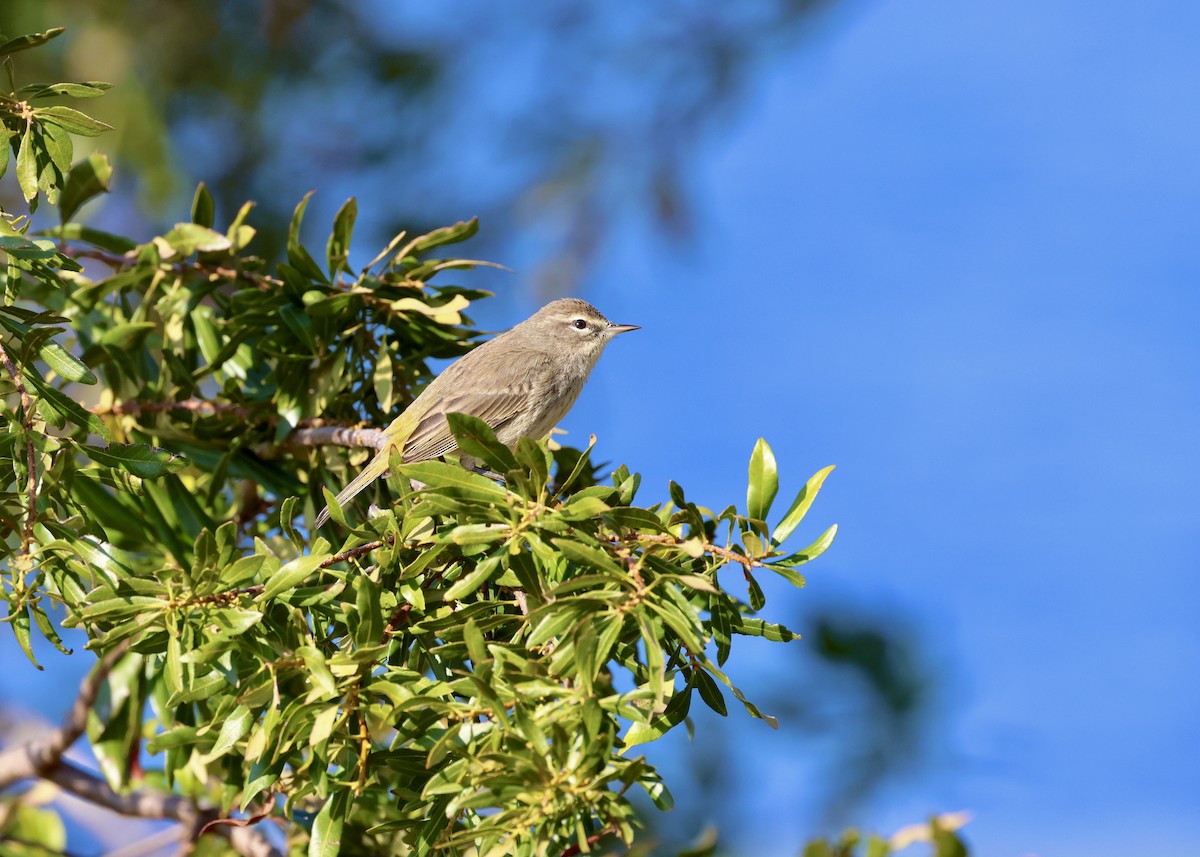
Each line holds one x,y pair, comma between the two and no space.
376,468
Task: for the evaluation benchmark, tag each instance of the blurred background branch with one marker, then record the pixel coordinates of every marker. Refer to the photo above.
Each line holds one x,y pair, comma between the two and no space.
512,118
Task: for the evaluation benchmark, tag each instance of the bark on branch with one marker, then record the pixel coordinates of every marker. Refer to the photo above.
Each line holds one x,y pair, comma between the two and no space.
43,758
37,757
247,841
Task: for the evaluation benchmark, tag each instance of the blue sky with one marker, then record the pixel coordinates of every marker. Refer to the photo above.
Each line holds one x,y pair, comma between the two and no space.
953,249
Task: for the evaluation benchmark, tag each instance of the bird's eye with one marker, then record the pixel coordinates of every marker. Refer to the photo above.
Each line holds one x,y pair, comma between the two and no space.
579,324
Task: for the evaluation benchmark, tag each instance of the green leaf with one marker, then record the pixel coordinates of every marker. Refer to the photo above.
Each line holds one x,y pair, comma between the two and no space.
290,576
323,683
140,459
21,247
58,408
709,692
757,600
87,179
106,240
233,729
723,615
583,508
327,826
47,627
18,618
764,481
470,582
800,506
188,238
384,377
203,207
588,556
476,438
767,630
6,137
642,733
32,40
60,151
337,251
27,172
66,364
809,553
633,518
454,481
87,89
460,231
298,257
71,119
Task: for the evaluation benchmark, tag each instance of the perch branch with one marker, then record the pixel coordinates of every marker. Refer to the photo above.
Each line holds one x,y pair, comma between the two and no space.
336,436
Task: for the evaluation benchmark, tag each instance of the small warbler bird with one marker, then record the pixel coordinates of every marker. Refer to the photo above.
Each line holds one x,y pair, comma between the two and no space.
521,384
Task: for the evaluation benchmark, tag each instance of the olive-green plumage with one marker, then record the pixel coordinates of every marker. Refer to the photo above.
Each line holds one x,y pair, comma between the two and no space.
520,383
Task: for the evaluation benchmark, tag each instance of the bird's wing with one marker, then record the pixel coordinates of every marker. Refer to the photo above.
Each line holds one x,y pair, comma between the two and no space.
432,436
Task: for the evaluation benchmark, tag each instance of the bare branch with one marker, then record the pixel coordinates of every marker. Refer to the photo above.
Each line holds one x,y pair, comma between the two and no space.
372,438
194,405
36,758
247,841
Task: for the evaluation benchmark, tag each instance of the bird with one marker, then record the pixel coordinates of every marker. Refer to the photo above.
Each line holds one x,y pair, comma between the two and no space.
521,383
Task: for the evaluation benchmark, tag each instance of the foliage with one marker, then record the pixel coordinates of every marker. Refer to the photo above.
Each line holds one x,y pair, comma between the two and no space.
463,671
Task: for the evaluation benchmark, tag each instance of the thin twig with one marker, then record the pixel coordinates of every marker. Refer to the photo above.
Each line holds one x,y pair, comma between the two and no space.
264,811
725,553
591,840
117,261
30,451
113,260
36,758
194,405
399,618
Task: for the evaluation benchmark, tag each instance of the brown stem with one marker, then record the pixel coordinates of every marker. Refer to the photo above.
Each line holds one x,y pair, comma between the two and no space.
196,406
591,840
256,589
117,261
726,554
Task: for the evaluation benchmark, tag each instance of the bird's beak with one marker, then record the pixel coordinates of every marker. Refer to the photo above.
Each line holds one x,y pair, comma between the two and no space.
622,328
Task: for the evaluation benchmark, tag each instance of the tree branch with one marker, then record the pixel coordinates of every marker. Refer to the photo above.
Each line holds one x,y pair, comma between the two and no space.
371,438
724,553
196,406
310,432
43,758
247,841
37,757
